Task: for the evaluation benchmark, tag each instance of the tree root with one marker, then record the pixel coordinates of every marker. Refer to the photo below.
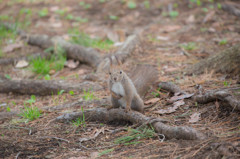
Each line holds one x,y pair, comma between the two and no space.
218,95
41,87
104,115
170,87
230,7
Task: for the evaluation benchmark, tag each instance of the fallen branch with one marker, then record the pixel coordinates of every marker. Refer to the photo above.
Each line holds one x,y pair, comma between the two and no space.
218,95
232,8
41,87
104,115
170,87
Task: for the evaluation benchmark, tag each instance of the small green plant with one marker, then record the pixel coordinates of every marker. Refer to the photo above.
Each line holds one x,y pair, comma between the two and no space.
43,66
102,1
85,5
189,46
197,2
30,113
8,109
71,93
80,121
84,40
223,42
131,5
204,9
226,83
87,95
113,17
173,14
105,152
219,6
31,100
8,76
43,12
47,77
61,92
157,93
135,135
61,12
146,4
4,17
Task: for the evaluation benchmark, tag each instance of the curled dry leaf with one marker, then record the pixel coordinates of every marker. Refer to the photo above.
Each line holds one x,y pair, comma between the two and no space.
176,98
194,117
176,105
151,101
72,64
12,47
21,64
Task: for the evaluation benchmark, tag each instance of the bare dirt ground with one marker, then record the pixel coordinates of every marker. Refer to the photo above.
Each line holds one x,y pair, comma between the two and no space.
207,27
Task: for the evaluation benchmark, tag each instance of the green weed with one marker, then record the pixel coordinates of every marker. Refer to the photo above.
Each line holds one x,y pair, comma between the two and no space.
146,4
131,5
31,100
80,121
156,93
85,5
87,95
135,135
105,152
8,109
173,14
47,77
43,12
71,93
204,9
113,17
223,42
226,83
84,40
189,46
8,76
30,113
102,1
43,66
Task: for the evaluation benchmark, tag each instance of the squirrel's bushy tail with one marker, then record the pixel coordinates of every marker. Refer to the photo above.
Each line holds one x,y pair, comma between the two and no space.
143,76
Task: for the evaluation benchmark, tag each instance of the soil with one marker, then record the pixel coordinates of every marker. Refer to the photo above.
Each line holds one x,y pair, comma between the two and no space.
162,39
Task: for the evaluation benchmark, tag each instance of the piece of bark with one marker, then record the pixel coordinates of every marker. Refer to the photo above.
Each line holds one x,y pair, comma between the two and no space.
226,61
218,95
121,54
232,8
104,115
42,87
170,87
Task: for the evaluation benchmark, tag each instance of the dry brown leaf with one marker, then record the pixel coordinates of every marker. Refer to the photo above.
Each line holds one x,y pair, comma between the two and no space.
151,101
72,64
171,28
194,117
169,110
12,47
21,64
190,19
176,98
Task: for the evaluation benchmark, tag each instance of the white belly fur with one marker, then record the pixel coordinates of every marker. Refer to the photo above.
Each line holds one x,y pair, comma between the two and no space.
118,89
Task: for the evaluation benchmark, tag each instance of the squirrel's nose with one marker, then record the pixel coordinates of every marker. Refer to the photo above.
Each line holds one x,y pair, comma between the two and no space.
115,78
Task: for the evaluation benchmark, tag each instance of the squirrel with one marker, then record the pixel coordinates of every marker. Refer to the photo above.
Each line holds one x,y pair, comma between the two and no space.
123,92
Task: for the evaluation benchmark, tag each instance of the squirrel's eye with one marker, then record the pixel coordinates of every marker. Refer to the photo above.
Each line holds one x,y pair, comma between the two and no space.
110,73
120,72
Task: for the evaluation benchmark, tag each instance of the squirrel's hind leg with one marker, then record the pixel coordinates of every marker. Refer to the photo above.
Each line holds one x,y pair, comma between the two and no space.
137,104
